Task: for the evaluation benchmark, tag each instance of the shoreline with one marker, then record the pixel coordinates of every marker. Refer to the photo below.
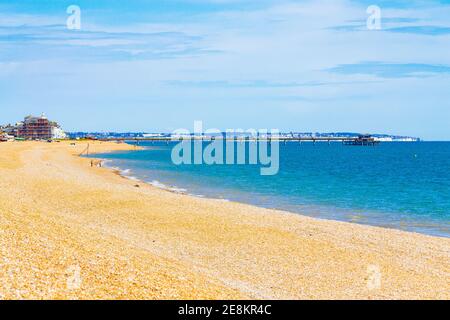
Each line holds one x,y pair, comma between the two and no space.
144,242
182,191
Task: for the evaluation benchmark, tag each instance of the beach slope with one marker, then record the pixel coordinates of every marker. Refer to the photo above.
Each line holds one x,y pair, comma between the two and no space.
72,231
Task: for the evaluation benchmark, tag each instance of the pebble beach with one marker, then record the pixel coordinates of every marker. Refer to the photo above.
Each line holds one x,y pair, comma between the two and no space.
70,230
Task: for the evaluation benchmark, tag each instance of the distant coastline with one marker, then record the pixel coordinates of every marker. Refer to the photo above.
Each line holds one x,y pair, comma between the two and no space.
286,135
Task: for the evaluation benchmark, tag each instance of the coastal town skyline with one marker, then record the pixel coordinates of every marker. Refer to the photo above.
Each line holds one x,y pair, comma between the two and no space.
291,65
43,128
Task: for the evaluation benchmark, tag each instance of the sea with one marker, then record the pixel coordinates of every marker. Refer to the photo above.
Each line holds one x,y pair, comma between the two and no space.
401,185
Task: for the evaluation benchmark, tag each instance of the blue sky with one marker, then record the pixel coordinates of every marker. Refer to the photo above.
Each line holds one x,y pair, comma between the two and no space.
292,65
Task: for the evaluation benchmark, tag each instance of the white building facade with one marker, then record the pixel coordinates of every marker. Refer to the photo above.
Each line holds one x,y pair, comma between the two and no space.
58,133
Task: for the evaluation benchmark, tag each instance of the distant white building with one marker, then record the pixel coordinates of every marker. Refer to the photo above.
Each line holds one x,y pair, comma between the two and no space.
180,136
384,139
407,139
396,139
153,135
58,133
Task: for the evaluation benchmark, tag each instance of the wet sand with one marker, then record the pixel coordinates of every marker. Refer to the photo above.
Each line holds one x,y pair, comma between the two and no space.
72,231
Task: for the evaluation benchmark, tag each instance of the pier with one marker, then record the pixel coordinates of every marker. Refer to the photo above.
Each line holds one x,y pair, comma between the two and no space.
350,141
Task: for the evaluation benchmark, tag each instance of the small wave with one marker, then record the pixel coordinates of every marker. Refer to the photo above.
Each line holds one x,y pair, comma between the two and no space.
125,171
178,190
160,185
197,195
107,163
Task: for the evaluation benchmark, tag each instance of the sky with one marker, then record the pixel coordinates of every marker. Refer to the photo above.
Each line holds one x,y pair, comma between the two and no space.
159,65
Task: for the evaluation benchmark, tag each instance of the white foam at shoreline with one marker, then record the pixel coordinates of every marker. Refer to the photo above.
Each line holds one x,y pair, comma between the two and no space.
126,173
161,185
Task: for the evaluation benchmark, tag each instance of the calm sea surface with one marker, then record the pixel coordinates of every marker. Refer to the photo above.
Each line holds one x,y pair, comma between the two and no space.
396,185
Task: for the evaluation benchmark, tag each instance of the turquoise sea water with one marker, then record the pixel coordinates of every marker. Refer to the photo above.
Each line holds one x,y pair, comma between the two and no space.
397,185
